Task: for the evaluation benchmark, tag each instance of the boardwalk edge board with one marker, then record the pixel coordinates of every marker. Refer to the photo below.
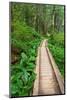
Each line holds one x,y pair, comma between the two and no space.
36,83
56,71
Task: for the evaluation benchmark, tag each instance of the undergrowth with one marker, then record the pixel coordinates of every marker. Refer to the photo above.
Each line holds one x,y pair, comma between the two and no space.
56,46
26,40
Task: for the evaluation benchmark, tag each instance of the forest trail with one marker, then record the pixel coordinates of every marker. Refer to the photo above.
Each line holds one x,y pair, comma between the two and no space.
46,82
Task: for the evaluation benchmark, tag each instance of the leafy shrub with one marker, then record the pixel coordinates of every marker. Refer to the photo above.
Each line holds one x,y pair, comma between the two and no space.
23,37
22,77
56,45
57,39
23,32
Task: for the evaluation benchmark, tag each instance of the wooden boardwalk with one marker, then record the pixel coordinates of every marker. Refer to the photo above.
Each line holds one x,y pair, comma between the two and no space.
46,82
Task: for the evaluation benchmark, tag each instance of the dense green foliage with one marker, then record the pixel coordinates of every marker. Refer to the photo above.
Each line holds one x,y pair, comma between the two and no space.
56,45
26,40
22,35
31,23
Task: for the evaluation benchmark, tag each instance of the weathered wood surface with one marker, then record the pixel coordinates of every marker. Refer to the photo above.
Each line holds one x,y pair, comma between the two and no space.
49,80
